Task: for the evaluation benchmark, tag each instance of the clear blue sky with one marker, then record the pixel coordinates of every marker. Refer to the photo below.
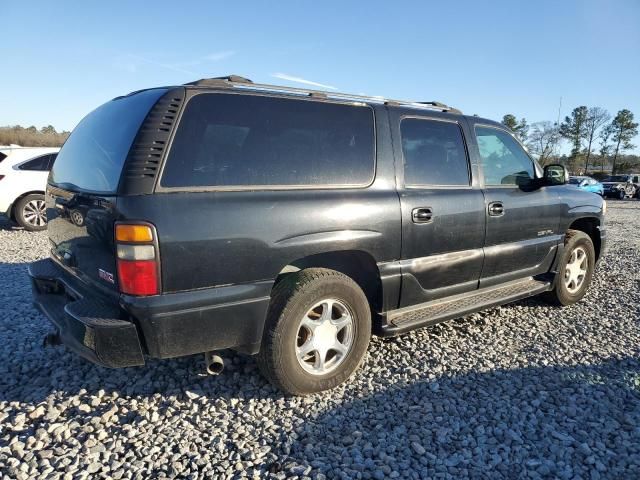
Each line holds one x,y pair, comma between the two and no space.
61,59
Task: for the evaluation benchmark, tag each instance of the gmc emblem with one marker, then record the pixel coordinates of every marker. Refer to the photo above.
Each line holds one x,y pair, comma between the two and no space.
106,276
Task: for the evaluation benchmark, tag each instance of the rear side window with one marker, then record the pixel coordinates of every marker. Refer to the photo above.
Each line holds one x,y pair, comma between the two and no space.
227,140
40,164
92,157
504,161
434,153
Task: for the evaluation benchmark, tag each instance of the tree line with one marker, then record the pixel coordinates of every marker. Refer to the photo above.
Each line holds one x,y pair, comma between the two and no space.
32,137
598,141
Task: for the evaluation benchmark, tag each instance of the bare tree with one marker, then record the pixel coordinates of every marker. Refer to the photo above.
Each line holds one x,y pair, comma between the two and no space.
596,118
543,140
605,144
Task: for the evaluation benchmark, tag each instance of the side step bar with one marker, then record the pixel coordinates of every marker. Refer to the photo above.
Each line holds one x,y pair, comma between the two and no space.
417,316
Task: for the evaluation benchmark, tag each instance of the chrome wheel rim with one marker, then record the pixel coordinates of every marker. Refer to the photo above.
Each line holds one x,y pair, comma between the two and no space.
575,272
35,213
324,337
76,217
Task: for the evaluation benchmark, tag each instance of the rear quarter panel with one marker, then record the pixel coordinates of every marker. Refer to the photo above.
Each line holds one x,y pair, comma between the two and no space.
219,238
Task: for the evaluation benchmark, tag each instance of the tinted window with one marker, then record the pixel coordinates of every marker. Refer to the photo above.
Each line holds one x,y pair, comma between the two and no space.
52,158
234,140
434,153
504,161
2,156
40,164
92,157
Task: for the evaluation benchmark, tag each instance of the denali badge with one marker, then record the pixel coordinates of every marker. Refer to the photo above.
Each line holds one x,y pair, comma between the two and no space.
106,276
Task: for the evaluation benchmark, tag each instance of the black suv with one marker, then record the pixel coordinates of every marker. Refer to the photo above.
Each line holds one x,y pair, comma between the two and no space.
293,224
621,186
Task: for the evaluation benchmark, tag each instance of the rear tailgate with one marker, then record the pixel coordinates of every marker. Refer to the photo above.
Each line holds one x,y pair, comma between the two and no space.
81,234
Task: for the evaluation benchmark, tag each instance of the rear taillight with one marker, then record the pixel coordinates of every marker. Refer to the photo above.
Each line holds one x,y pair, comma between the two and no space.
137,257
1,177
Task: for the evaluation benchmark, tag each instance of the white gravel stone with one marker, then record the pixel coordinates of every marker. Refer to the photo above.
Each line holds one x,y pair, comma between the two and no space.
521,391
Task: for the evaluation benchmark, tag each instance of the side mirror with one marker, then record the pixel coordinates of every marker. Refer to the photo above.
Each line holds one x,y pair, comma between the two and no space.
555,175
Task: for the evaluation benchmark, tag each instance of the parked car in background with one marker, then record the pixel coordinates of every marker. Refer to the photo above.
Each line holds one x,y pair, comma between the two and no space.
587,183
293,224
23,181
621,186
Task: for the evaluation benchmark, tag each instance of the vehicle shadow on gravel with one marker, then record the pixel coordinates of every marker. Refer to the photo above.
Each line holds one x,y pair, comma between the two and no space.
6,224
555,421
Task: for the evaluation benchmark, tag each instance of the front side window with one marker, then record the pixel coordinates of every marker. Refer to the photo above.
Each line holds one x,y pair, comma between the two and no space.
434,153
504,161
229,140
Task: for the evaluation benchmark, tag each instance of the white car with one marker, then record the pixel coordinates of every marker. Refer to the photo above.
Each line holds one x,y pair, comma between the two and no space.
23,180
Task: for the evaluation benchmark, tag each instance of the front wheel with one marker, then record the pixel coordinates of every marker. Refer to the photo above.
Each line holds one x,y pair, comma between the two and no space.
621,195
575,269
317,331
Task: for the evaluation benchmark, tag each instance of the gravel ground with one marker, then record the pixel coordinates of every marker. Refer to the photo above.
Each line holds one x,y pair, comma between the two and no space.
521,391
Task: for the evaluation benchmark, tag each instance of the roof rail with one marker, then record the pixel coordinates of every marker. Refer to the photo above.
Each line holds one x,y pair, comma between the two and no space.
236,81
216,81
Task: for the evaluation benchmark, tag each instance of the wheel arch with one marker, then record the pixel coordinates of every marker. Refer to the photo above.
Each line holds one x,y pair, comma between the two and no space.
590,226
358,265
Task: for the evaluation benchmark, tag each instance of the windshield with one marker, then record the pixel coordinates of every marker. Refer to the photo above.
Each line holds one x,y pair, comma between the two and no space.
92,158
615,178
575,181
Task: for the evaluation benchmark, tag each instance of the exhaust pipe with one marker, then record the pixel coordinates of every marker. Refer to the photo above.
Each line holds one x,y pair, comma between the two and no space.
213,363
51,339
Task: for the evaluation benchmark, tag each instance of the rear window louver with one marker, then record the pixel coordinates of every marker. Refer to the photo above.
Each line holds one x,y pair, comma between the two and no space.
143,161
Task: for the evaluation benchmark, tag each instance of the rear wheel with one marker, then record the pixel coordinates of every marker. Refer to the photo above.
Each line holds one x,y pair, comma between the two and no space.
30,212
575,269
317,331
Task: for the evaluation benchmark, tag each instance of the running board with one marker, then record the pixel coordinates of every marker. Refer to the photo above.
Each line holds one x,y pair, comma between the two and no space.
417,316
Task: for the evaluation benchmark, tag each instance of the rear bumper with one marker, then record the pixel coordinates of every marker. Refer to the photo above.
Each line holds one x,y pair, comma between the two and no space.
161,326
89,327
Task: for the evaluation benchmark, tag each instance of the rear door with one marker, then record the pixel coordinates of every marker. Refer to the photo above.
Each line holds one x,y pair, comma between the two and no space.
83,183
442,208
522,231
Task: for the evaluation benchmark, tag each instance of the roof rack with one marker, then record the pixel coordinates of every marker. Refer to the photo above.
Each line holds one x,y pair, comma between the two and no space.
237,81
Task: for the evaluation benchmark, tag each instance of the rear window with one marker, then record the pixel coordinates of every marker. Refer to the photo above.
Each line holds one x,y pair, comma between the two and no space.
92,157
39,164
228,140
434,153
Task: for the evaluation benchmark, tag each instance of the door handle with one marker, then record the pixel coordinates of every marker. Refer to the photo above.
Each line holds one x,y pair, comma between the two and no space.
496,209
422,215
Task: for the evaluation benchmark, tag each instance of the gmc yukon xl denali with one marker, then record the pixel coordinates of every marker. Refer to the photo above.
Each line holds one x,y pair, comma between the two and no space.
294,224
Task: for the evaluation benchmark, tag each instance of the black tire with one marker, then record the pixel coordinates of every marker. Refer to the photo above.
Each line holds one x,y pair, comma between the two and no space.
292,298
24,212
621,195
560,295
